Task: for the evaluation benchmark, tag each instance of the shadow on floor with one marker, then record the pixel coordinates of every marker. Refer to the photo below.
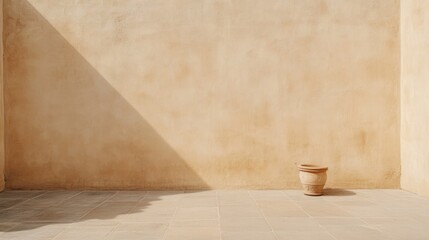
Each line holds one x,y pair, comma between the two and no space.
337,192
27,210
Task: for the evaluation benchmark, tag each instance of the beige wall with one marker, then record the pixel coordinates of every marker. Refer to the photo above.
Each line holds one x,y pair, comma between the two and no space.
201,94
415,96
2,157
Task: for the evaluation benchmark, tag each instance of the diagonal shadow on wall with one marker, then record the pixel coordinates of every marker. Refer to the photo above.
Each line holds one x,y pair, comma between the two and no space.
73,130
68,125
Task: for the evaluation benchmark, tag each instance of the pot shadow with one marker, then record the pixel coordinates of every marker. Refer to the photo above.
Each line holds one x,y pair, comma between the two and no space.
337,192
68,128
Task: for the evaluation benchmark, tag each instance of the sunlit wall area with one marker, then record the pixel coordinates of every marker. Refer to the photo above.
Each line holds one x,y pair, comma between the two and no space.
415,96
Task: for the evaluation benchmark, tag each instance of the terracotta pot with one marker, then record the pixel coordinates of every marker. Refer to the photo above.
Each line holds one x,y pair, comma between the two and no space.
313,178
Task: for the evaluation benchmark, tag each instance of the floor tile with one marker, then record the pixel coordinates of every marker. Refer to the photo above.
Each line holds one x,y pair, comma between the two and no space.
59,214
94,223
33,231
192,213
323,209
240,211
84,234
340,221
304,235
268,194
233,193
7,226
159,214
119,235
57,195
356,232
191,194
147,203
404,231
20,194
10,202
192,234
90,197
109,210
146,229
127,196
194,224
164,194
370,211
242,198
390,220
236,200
17,214
245,235
199,201
359,203
294,224
283,211
244,224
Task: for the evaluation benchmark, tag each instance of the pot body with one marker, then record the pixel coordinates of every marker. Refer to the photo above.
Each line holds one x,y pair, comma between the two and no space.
313,179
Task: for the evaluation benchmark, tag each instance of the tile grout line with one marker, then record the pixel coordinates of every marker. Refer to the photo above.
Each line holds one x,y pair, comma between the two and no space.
265,218
43,192
117,224
80,219
365,224
172,217
19,223
311,217
68,225
102,202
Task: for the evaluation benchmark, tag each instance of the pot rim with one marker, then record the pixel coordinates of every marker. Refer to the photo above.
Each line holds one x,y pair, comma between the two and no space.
312,168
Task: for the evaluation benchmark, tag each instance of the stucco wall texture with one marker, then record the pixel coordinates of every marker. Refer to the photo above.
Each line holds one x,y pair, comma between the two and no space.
2,155
191,94
415,96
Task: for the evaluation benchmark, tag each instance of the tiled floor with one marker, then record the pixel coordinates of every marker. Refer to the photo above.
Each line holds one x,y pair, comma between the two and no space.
206,215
